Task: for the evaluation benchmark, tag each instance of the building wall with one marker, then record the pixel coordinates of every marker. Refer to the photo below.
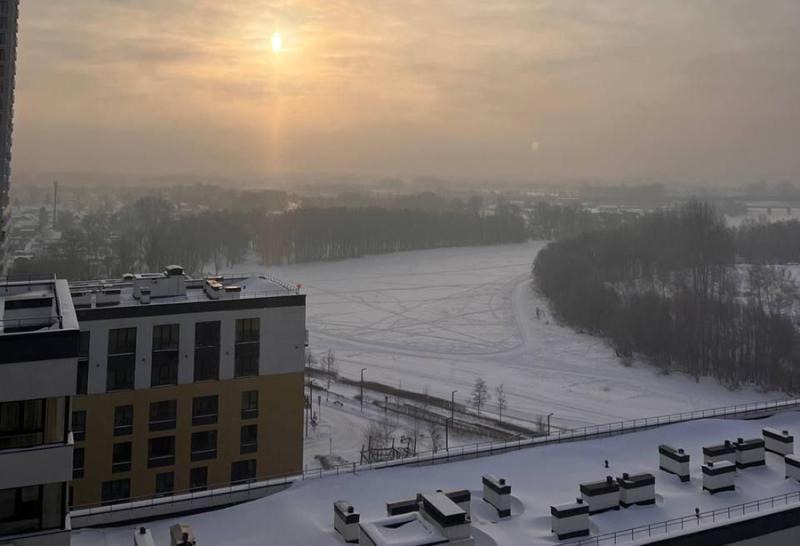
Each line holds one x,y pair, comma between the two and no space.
8,60
279,383
280,433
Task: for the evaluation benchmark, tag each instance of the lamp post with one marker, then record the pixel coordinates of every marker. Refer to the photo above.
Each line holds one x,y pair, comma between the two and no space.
549,415
453,404
362,389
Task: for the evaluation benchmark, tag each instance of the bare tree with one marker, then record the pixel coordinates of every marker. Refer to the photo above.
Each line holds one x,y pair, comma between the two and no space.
311,360
435,434
331,368
501,400
480,394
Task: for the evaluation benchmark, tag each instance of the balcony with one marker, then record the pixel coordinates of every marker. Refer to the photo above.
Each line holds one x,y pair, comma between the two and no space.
49,463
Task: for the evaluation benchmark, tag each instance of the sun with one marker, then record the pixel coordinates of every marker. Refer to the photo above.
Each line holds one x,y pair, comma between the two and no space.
276,42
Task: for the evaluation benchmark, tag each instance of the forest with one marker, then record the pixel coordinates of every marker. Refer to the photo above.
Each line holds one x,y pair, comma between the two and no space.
152,232
685,291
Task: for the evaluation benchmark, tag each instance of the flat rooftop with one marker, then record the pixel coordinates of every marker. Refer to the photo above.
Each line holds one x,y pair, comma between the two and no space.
250,286
539,477
35,304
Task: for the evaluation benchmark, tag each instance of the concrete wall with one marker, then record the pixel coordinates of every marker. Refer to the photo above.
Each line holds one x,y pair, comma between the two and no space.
35,466
38,379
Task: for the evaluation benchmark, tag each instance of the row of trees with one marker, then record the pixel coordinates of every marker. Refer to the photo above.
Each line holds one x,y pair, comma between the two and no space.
667,286
151,233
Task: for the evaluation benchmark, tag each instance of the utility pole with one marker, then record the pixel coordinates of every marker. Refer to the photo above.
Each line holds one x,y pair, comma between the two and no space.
446,435
55,204
453,404
549,415
362,389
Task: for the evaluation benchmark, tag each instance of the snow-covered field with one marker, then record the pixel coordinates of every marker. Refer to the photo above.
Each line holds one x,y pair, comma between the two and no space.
539,477
439,319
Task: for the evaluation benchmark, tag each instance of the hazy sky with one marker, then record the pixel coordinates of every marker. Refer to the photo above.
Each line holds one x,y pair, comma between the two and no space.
529,89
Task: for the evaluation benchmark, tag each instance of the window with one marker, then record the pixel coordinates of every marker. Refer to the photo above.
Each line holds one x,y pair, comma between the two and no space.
123,420
21,423
82,384
248,439
206,350
79,425
165,483
115,491
165,355
20,510
121,460
121,359
163,415
247,346
243,471
204,445
198,478
77,463
204,410
249,404
161,452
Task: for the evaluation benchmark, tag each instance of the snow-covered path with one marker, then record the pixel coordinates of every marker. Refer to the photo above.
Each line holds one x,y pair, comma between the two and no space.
438,319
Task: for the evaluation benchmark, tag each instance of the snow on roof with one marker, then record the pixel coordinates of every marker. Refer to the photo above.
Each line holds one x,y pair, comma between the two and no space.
403,530
540,477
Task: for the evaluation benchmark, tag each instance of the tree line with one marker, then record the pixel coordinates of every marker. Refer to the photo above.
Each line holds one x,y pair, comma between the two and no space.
671,286
152,232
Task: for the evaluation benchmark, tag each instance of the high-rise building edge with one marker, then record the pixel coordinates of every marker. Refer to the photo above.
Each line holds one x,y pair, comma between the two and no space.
9,16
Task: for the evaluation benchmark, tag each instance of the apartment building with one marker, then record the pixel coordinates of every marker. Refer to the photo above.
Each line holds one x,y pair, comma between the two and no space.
185,384
38,368
9,10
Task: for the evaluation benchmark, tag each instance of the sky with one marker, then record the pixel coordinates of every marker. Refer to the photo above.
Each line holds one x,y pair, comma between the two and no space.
528,90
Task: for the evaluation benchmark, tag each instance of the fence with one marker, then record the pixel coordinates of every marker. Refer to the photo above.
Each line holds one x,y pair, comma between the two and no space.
480,449
690,522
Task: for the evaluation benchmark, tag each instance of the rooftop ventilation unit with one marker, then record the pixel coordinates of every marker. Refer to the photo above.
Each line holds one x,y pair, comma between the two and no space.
778,441
171,283
639,489
570,520
749,453
345,520
142,537
719,477
601,496
497,493
447,517
719,452
182,535
674,461
792,464
108,297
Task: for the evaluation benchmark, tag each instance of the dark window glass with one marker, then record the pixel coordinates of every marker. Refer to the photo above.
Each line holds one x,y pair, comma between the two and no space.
121,461
20,510
165,355
163,415
77,463
243,471
206,350
248,439
123,420
21,424
165,483
204,445
82,382
115,491
79,425
121,359
204,410
249,404
198,478
161,452
246,350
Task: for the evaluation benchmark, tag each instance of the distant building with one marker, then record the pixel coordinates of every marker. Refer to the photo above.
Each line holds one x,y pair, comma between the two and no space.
9,11
185,384
38,368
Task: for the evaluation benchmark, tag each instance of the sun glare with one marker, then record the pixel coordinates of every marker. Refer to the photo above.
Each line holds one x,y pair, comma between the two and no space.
277,42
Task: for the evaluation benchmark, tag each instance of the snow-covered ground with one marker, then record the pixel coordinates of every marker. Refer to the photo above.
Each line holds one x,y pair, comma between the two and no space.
439,319
539,477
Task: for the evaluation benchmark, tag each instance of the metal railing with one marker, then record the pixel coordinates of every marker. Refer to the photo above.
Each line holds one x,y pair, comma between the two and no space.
469,451
690,522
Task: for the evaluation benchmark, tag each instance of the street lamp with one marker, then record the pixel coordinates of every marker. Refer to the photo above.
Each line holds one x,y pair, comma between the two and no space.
453,404
549,415
362,389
